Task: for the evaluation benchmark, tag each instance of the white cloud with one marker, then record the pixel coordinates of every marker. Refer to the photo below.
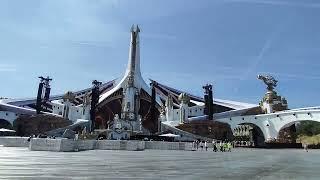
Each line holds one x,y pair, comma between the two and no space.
265,48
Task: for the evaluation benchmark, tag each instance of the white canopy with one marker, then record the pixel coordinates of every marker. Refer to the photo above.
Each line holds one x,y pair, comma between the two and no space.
169,135
6,130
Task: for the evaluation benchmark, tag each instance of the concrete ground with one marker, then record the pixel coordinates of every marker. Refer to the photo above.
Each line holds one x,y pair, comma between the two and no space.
20,163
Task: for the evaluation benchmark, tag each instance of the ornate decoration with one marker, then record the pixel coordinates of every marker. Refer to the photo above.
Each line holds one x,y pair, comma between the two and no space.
163,109
184,98
270,81
69,96
169,101
86,99
131,80
207,88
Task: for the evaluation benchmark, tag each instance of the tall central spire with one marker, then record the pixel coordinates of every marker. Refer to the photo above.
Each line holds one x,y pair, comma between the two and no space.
132,78
134,53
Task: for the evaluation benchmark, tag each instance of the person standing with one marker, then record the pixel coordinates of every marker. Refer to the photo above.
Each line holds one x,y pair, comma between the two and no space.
194,145
229,146
222,146
201,145
305,147
206,145
213,142
215,149
197,144
226,147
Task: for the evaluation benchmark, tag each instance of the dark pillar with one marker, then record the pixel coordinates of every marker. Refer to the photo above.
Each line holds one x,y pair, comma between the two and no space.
153,107
47,88
39,98
208,100
206,104
47,93
44,86
95,93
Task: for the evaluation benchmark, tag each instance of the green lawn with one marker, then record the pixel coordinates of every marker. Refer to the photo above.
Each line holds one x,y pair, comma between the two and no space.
309,139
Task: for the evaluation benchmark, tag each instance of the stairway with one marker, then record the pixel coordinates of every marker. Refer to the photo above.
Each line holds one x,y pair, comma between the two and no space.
185,136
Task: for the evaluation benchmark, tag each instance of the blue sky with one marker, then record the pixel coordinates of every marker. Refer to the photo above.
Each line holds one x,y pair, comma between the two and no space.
184,44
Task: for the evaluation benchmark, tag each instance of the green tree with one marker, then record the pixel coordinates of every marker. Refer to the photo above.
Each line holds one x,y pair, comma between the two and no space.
308,128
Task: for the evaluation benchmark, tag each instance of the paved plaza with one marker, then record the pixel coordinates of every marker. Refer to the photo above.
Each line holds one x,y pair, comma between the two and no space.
20,163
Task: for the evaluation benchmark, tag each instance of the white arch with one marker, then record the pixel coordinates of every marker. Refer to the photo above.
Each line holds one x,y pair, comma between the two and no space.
254,127
8,116
295,121
271,124
238,120
285,119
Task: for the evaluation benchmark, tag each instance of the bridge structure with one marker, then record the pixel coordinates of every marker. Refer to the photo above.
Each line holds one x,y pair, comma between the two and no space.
271,124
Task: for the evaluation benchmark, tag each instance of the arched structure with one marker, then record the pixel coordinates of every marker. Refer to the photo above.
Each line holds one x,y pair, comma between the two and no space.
5,124
271,124
249,133
8,116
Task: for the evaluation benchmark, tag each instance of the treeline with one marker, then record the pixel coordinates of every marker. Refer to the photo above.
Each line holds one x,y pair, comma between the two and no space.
308,128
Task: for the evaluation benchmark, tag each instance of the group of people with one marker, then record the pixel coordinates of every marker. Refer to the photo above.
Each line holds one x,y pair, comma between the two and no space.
221,146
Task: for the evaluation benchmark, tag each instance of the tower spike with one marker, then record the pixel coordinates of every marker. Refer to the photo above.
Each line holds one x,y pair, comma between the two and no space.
133,68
